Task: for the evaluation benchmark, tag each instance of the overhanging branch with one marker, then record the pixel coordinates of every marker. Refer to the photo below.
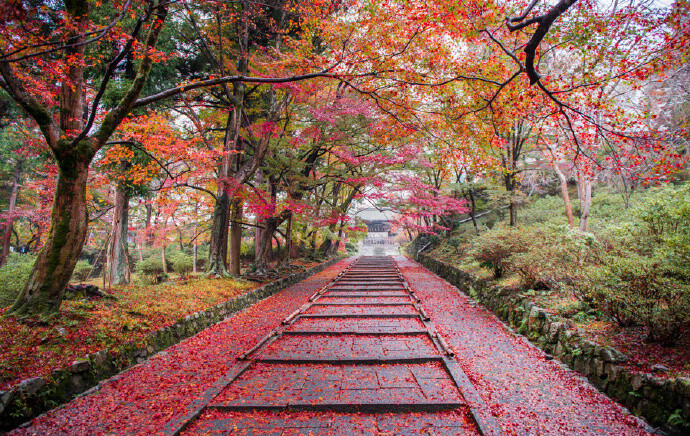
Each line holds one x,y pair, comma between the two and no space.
544,24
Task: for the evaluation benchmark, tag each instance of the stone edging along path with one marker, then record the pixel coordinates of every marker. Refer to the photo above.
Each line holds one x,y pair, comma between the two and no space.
664,403
37,395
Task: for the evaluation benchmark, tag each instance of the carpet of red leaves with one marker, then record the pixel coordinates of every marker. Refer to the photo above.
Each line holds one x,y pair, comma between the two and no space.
215,422
644,355
527,393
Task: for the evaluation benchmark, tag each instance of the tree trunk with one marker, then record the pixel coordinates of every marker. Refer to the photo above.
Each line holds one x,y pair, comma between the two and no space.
219,236
118,253
473,211
10,220
288,241
512,209
236,237
326,245
584,189
263,245
510,184
148,235
566,197
164,259
271,223
218,252
260,222
53,268
341,231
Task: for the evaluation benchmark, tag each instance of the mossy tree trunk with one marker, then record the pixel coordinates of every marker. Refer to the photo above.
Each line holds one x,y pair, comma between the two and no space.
235,238
53,268
217,265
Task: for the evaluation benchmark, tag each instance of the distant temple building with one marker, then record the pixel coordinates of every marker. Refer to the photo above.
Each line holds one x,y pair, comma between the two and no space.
381,231
380,222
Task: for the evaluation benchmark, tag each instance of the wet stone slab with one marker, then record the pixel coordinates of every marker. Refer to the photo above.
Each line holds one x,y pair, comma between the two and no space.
361,310
218,422
358,325
363,299
367,287
368,294
269,385
350,347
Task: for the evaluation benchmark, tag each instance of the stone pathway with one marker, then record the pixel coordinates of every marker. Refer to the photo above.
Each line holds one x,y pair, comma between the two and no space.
373,345
362,343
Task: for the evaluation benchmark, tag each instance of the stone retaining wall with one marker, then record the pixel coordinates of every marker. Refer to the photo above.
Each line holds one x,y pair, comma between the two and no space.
36,395
664,403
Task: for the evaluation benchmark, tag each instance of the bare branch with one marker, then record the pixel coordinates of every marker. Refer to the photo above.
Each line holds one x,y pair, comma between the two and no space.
544,24
228,79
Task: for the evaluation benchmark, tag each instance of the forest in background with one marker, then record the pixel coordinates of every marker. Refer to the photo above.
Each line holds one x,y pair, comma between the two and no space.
151,136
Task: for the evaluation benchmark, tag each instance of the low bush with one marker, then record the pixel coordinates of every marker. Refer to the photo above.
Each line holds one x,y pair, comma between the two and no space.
150,269
247,250
494,249
14,275
637,290
181,263
634,272
645,278
553,256
548,209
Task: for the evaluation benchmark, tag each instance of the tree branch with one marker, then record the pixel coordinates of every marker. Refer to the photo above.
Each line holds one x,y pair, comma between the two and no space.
40,114
108,74
228,79
544,24
113,119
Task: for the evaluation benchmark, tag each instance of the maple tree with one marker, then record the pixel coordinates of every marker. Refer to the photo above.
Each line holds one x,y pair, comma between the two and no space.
69,138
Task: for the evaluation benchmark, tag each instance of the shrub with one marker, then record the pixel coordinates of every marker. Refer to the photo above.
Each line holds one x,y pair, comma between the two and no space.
493,249
547,209
151,268
552,255
666,217
181,263
14,275
247,250
638,290
82,271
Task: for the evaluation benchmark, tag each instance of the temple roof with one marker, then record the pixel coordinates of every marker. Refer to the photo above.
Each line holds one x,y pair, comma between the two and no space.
372,214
